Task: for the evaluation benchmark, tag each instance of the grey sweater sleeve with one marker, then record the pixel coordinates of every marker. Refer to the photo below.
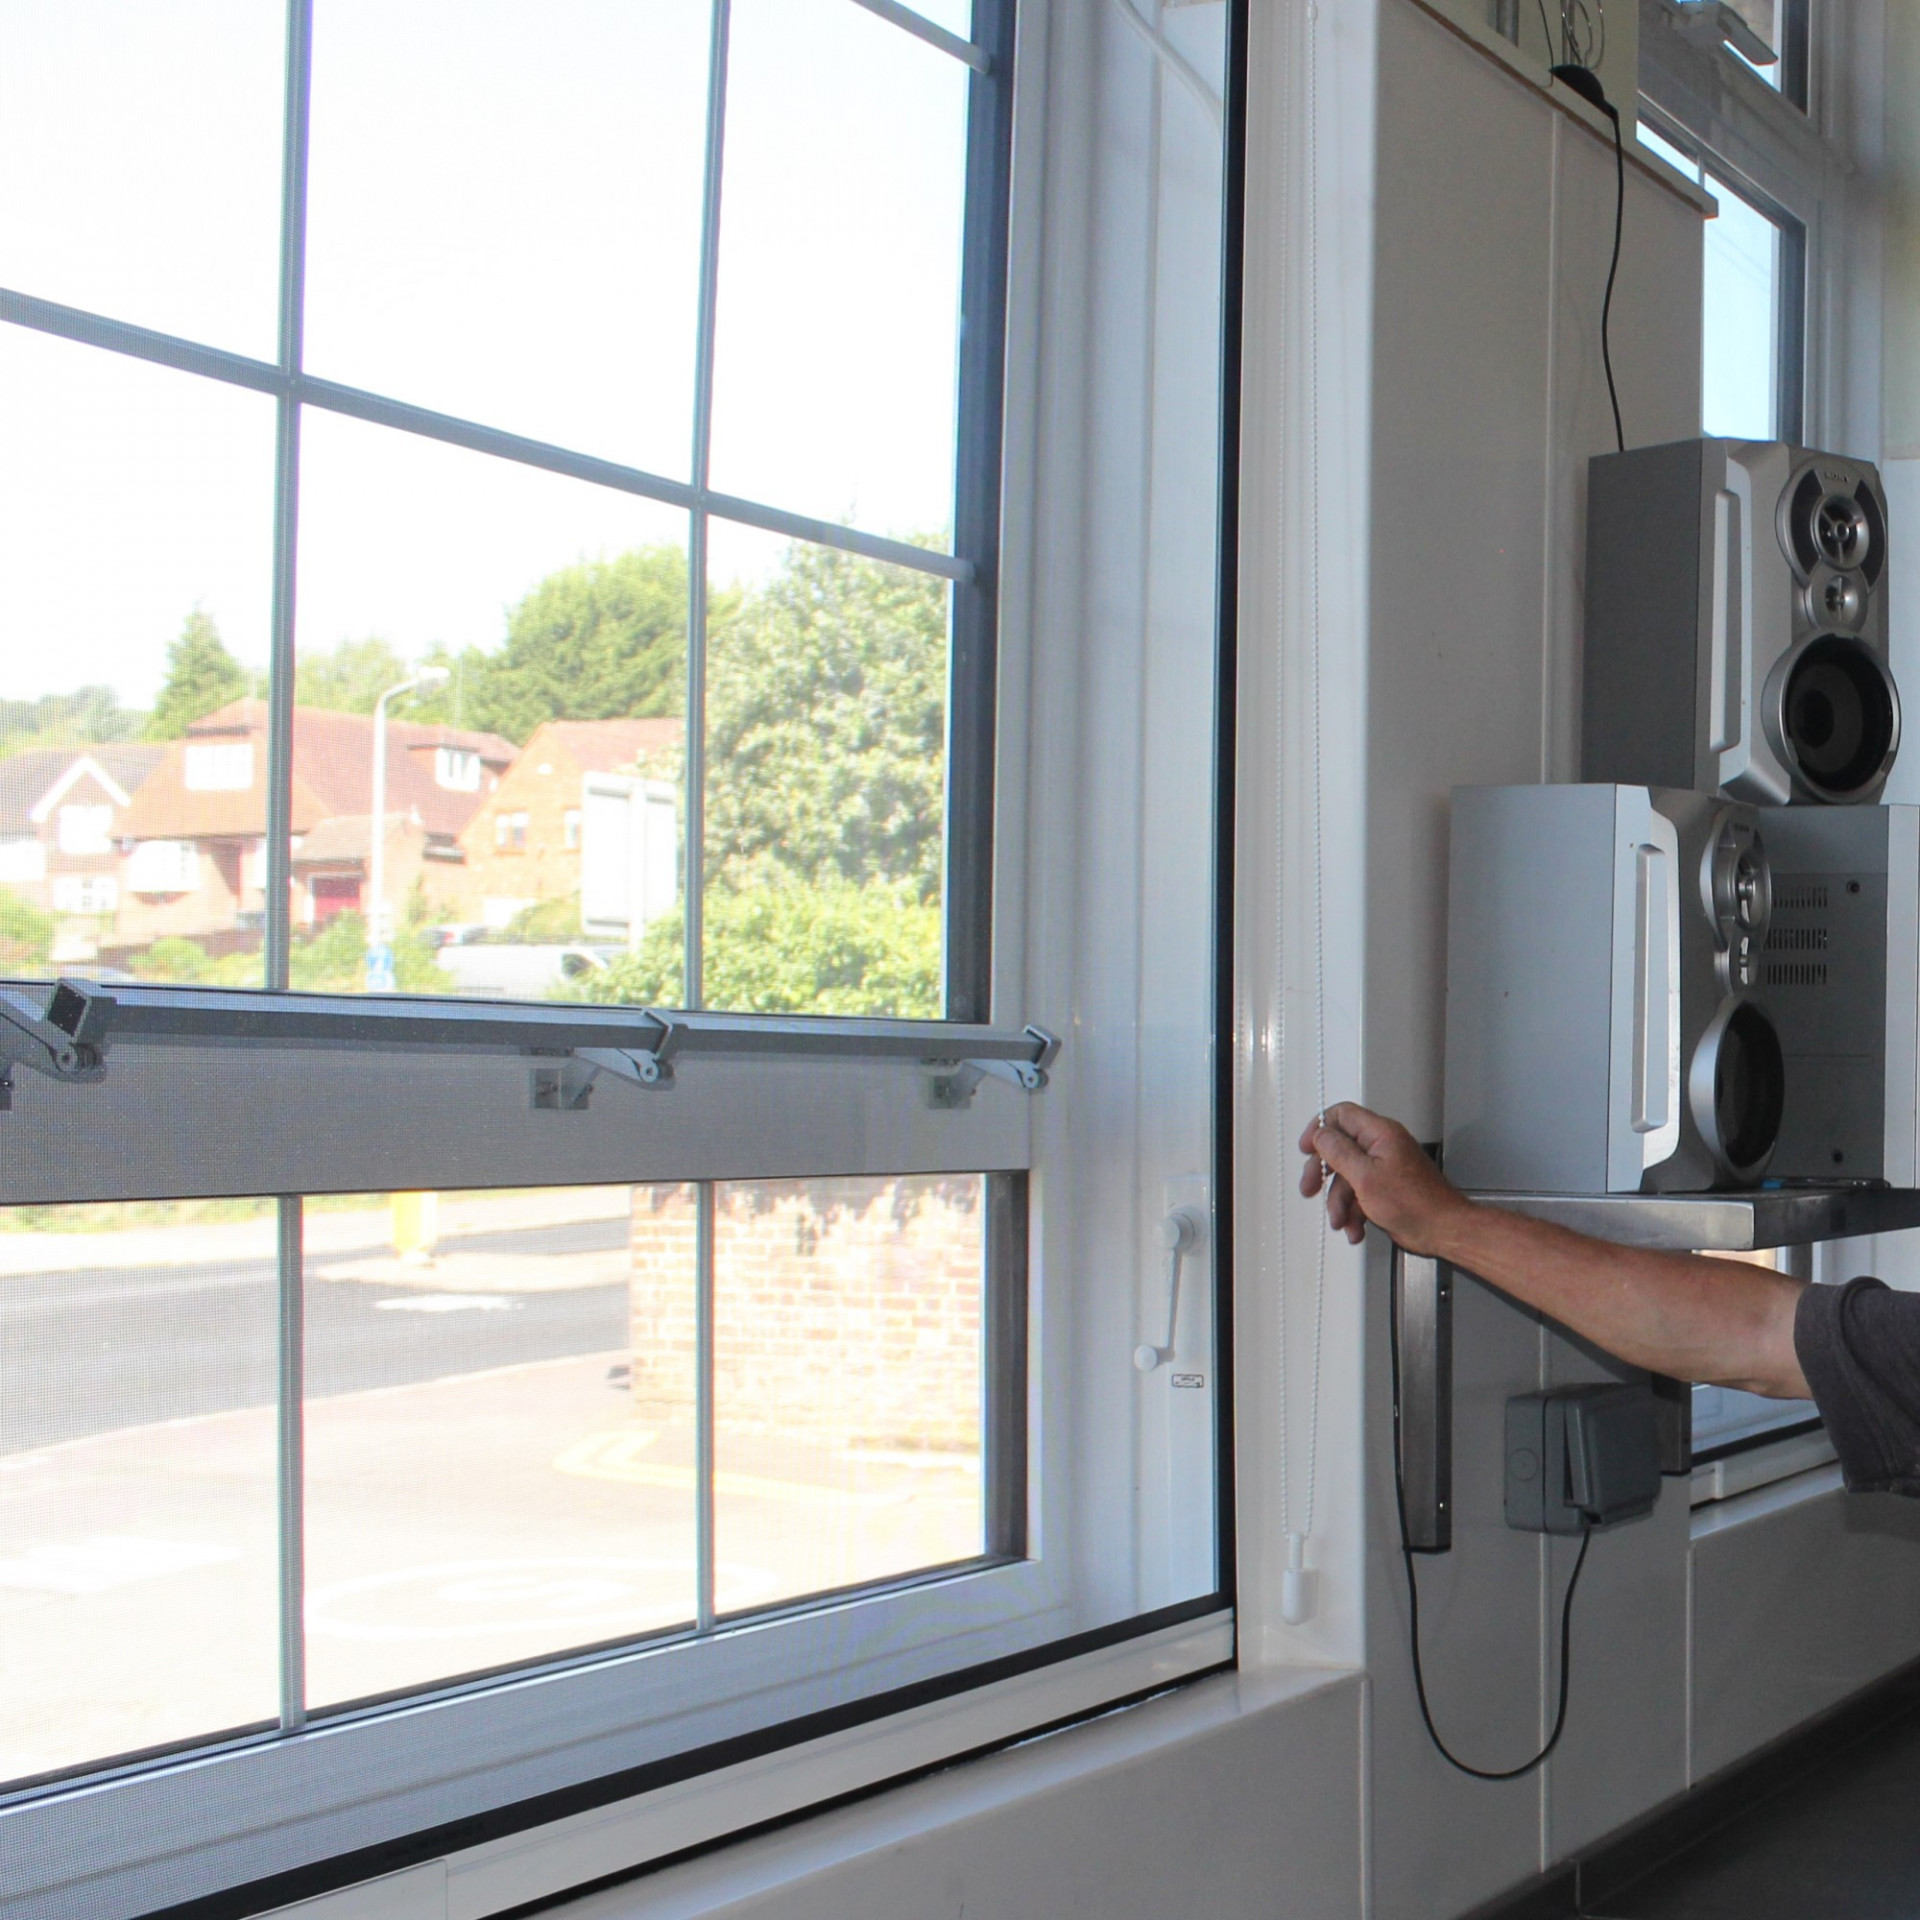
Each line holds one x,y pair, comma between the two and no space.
1859,1346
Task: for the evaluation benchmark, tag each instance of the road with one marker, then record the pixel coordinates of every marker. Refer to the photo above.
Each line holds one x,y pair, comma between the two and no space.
98,1350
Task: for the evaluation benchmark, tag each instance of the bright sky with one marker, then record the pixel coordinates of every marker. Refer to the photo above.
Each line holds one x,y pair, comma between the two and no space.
1739,309
503,224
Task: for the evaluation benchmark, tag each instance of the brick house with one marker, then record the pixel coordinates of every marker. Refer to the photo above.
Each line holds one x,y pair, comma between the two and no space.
63,811
523,844
194,847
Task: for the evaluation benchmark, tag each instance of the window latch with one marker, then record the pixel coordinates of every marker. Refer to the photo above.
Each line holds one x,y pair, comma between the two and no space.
65,1040
567,1085
955,1081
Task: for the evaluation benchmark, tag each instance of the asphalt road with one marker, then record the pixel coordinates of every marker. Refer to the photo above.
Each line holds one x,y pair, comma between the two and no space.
92,1351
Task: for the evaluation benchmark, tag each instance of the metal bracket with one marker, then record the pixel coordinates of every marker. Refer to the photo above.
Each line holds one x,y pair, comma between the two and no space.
567,1085
65,1040
955,1081
1424,1434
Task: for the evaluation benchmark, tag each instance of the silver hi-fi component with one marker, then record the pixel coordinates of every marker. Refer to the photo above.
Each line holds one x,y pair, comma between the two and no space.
1736,623
1603,1029
1840,977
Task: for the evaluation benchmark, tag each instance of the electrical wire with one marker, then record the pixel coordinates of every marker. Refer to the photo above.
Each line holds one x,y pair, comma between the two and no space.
1170,57
1613,272
1413,1595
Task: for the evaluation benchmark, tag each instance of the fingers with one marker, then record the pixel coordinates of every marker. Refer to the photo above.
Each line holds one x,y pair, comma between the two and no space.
1367,1129
1340,1152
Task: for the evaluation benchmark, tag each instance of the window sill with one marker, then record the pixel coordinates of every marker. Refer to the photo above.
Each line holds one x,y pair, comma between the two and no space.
621,1838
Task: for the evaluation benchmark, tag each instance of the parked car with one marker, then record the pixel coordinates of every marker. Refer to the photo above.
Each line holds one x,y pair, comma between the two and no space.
520,972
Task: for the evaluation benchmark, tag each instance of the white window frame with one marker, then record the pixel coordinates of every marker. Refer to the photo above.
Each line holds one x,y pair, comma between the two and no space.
86,827
218,766
1111,1526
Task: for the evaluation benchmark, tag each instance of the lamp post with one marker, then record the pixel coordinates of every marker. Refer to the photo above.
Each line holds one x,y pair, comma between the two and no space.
380,976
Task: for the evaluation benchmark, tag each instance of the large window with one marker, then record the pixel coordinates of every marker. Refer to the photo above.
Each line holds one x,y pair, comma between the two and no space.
583,1147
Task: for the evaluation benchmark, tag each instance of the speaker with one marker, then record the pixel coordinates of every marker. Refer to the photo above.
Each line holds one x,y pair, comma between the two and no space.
1604,1033
1840,977
1736,623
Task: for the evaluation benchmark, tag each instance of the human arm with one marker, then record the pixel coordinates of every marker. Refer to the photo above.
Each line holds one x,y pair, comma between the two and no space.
1717,1321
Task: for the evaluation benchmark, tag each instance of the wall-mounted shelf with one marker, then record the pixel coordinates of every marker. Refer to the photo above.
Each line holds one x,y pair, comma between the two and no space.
1722,1222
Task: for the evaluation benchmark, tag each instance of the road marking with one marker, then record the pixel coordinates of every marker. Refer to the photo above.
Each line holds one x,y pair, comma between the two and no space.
104,1561
447,1303
613,1456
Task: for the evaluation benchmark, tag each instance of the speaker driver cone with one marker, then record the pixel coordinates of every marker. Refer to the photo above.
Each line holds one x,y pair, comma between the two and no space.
1835,715
1737,1089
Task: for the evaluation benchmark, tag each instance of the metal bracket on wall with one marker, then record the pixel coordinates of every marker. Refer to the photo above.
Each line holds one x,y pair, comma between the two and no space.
1424,1297
955,1081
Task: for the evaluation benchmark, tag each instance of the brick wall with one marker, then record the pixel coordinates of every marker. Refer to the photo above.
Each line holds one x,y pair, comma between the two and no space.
846,1310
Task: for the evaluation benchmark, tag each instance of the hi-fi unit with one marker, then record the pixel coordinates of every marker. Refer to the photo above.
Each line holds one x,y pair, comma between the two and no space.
1840,976
1736,623
1604,1029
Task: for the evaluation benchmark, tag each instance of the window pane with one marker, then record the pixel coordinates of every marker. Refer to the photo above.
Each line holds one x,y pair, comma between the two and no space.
826,737
840,267
1739,388
138,1585
135,595
490,1478
504,213
140,150
557,613
1724,1416
849,1378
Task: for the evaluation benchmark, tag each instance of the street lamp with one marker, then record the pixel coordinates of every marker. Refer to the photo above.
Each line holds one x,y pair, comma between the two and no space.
380,977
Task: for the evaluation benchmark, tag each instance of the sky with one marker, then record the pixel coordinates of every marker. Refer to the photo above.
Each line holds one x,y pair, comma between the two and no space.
503,224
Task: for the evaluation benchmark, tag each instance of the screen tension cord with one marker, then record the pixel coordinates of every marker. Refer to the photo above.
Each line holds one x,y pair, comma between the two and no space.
1413,1594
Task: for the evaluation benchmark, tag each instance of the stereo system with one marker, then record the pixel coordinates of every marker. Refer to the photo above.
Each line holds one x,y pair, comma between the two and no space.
1736,625
1701,968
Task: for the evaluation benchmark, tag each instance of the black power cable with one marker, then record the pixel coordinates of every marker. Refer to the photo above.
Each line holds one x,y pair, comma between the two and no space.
1413,1594
1586,83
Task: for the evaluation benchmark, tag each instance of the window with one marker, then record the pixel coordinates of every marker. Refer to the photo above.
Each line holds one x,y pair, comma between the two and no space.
219,766
85,893
457,769
86,829
651,1326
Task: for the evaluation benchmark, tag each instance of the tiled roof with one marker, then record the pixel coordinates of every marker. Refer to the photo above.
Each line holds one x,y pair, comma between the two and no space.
27,778
599,746
332,775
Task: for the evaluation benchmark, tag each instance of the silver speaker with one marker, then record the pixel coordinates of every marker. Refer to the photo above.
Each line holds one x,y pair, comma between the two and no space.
1736,623
1604,1029
1840,977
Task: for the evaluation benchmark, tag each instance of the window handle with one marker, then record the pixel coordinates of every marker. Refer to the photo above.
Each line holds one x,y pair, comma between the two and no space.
1180,1234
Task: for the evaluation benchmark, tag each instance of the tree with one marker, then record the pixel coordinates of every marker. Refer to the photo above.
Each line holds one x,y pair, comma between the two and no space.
600,640
351,678
202,676
826,726
87,716
26,934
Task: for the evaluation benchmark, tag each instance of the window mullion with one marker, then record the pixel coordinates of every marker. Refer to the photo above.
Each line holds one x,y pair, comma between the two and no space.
277,930
695,774
292,1465
703,1444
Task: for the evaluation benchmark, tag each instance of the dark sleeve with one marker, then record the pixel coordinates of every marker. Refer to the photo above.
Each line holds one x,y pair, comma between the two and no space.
1859,1346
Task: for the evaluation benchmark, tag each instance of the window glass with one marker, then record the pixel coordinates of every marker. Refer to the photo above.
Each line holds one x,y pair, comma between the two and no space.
550,618
826,736
484,1483
138,1586
155,490
849,1324
504,213
1740,317
839,296
140,147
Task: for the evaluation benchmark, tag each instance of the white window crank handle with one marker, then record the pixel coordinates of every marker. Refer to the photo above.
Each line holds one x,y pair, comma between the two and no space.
1180,1233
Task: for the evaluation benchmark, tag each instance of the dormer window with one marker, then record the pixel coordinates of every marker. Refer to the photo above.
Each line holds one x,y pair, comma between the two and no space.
219,766
457,769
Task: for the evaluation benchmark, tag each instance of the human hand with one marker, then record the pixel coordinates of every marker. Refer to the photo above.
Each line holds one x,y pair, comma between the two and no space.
1374,1169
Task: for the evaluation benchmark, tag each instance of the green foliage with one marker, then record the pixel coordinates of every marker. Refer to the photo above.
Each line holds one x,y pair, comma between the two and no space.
544,924
88,716
26,934
600,640
826,727
832,946
351,678
201,677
